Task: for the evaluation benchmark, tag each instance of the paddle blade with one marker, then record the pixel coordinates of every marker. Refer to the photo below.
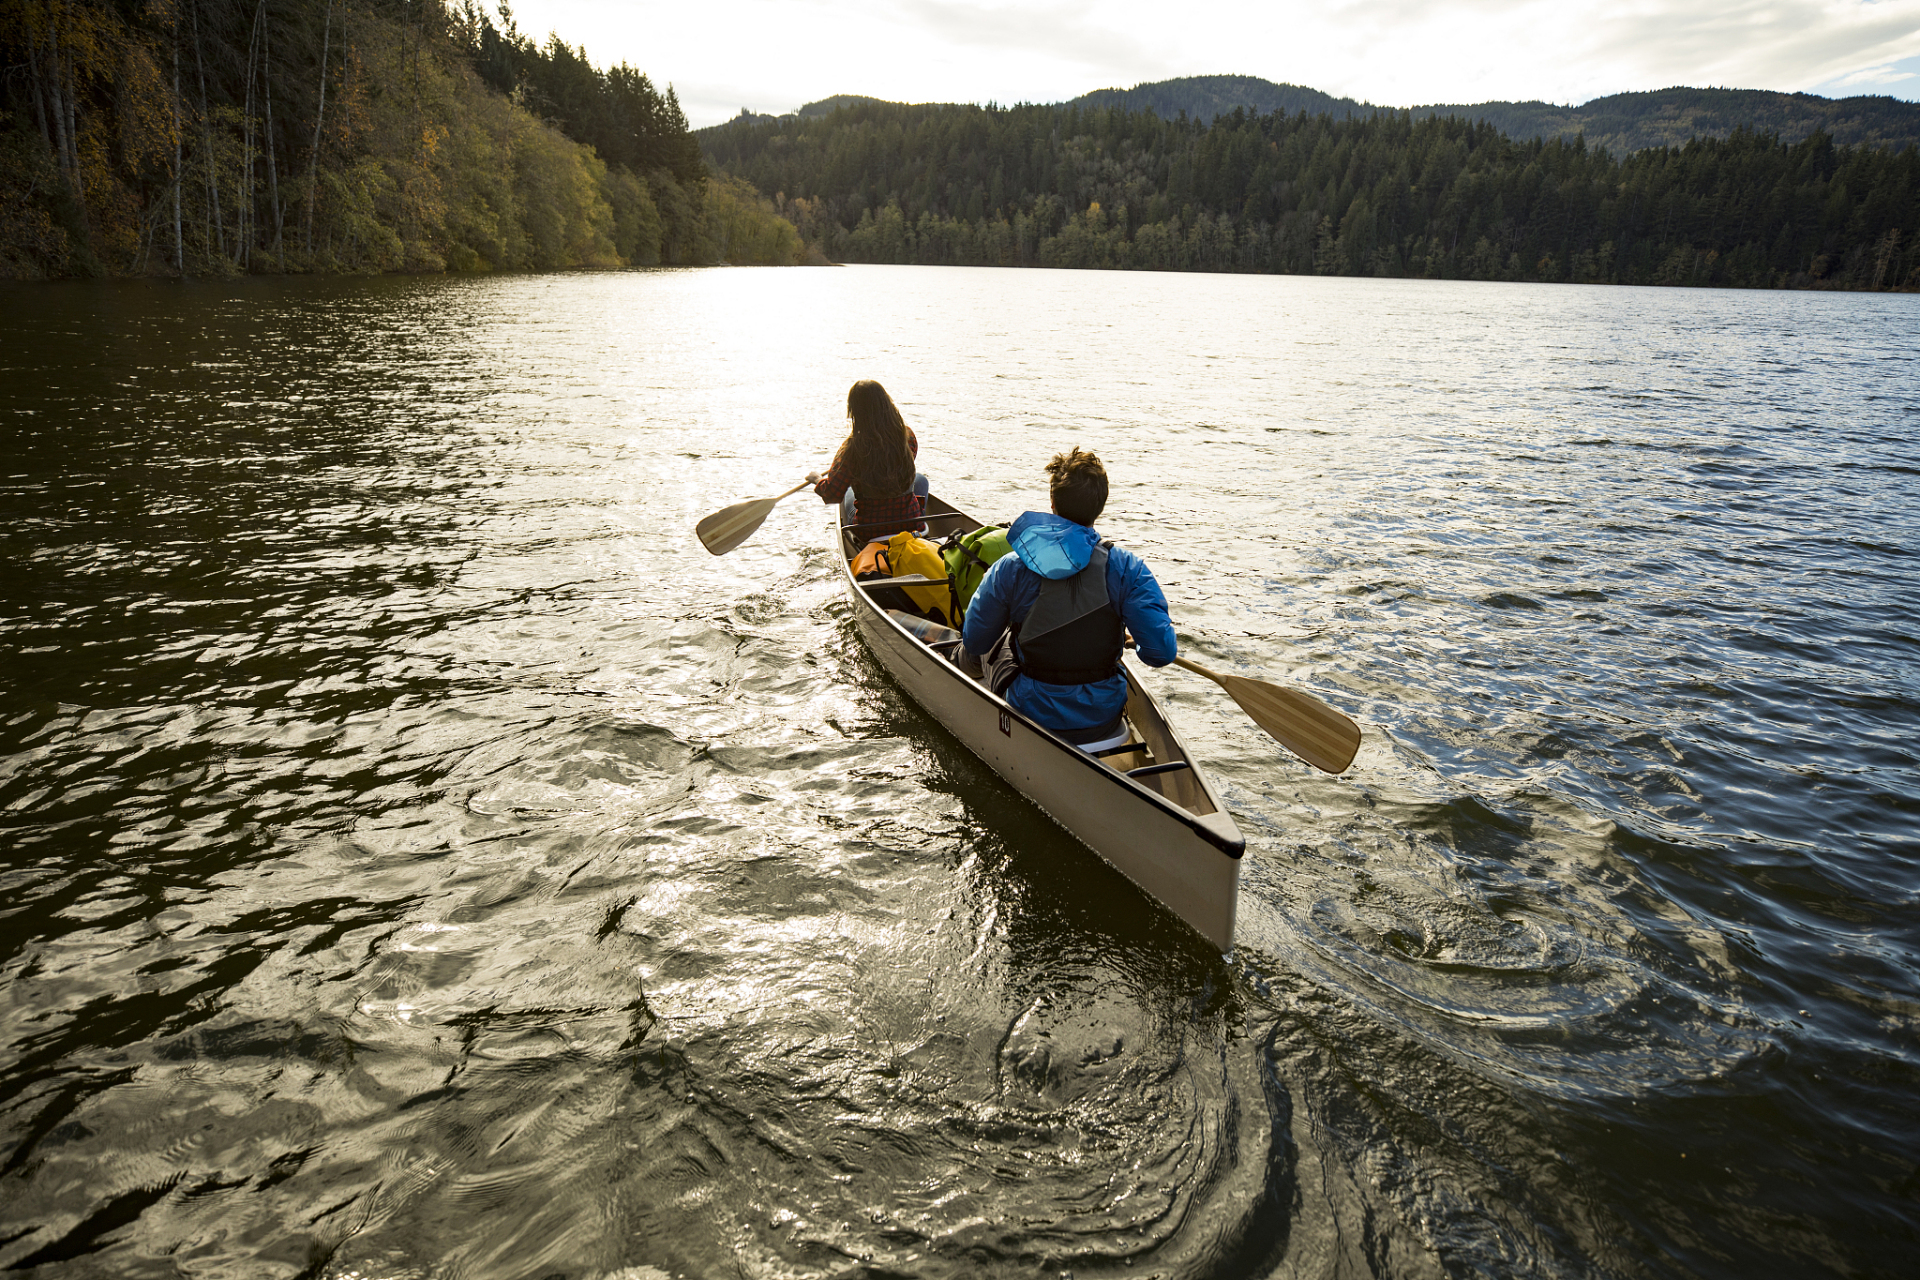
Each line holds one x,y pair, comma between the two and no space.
727,528
1298,721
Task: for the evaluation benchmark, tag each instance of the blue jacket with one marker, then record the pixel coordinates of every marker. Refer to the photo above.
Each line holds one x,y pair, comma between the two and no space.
1050,546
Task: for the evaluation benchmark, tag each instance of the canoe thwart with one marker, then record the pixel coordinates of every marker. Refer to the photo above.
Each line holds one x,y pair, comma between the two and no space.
875,524
910,580
1149,770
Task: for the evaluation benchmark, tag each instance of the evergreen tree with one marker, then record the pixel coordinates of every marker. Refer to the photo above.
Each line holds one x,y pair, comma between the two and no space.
1389,193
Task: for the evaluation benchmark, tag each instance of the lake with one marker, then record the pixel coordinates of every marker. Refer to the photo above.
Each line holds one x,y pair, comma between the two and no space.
424,860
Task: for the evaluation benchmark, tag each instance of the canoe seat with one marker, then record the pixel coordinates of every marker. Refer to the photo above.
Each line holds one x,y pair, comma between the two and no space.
1101,739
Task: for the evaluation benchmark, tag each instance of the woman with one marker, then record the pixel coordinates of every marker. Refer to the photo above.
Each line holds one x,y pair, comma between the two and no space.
875,466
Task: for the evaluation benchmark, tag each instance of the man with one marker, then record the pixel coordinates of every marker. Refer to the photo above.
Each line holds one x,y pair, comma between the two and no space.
1053,616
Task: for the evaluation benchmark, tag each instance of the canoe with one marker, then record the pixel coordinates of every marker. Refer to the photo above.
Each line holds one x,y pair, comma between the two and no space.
1146,807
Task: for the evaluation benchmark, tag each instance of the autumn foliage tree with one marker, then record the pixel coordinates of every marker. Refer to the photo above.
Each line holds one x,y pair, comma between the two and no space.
215,137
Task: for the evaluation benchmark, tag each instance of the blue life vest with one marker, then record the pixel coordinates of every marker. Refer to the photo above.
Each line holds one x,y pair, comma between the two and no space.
1073,634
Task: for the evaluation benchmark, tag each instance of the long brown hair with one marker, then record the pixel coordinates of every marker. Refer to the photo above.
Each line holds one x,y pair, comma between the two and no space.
875,452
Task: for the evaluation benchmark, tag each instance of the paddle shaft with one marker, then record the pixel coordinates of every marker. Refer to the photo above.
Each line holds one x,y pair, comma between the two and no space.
797,488
1190,665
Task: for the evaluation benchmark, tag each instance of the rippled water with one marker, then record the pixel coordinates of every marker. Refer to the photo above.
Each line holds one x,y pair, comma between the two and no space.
422,859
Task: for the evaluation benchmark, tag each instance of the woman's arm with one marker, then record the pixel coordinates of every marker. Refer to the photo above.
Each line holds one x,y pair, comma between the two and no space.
833,485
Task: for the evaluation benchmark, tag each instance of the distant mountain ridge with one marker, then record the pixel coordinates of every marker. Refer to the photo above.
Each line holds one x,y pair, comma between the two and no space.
813,110
1622,123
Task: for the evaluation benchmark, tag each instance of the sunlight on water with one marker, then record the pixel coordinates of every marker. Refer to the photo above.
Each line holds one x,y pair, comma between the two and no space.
425,860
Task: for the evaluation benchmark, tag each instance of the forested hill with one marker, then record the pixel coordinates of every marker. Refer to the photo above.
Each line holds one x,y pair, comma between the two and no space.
1205,97
1628,122
214,137
1381,194
1622,123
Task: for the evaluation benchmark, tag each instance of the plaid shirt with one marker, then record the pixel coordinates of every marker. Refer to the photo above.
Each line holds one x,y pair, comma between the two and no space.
887,515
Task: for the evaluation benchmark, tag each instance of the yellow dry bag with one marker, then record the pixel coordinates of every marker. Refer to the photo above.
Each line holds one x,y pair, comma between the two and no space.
908,554
901,556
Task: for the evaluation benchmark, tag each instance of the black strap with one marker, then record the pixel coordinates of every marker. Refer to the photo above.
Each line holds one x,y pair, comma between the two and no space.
1069,675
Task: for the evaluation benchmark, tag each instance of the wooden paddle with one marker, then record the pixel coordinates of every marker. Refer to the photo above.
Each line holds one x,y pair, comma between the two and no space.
730,526
1297,721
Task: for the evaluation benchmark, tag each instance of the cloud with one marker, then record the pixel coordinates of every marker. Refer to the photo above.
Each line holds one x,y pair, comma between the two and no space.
774,55
1402,52
1888,74
1761,44
1067,32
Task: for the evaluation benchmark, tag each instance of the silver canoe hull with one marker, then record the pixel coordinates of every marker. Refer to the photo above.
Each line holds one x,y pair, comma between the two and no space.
1167,832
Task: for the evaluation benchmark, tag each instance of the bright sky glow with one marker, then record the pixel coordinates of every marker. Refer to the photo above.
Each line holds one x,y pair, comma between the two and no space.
776,55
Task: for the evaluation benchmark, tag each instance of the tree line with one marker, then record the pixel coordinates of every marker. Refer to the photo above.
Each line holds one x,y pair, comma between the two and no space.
216,137
1386,194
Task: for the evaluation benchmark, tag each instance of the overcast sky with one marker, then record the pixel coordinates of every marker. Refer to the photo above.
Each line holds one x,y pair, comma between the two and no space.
776,55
